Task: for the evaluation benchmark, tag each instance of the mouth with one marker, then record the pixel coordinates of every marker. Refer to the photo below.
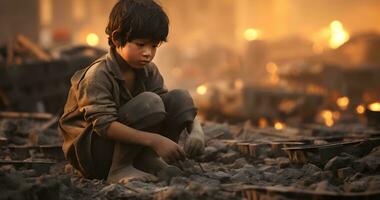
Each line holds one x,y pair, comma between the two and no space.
144,62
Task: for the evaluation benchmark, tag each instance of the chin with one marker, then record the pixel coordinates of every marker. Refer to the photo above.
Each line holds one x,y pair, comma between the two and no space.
138,66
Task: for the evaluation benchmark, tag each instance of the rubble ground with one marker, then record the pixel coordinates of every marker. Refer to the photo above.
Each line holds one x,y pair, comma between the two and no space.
239,162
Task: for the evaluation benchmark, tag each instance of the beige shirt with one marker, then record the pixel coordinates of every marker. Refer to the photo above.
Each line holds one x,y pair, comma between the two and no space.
98,91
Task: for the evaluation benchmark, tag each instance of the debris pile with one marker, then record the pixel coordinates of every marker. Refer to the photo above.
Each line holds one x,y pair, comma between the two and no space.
240,161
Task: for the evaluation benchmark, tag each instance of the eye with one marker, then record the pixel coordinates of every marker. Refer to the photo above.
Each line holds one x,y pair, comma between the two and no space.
140,44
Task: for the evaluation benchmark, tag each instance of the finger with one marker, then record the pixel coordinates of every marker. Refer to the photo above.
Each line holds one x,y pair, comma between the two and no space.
194,149
169,158
199,148
191,151
165,158
182,154
187,146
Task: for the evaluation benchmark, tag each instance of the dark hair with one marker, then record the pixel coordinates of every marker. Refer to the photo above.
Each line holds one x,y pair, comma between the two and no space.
137,19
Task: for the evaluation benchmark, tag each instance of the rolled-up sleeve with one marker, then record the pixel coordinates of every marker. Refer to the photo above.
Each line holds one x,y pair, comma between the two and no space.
96,102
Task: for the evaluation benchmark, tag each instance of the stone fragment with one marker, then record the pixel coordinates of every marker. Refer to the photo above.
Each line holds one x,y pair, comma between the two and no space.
369,163
344,173
356,177
324,186
112,191
220,131
239,163
374,183
179,181
356,186
344,160
175,193
310,169
283,162
229,157
219,175
312,179
327,175
240,177
209,153
168,173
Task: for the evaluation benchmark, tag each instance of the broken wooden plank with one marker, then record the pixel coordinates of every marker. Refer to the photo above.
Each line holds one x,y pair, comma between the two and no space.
320,154
41,116
49,151
33,48
252,192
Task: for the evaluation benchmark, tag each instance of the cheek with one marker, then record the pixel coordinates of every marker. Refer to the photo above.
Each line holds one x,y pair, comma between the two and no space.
126,54
154,52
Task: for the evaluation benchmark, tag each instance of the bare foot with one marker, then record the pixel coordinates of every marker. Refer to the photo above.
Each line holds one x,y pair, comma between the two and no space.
169,172
149,162
129,173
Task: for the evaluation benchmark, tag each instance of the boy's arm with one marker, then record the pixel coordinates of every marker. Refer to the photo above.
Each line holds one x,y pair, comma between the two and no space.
163,146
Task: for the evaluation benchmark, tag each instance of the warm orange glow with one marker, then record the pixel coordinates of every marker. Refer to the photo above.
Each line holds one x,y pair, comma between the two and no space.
202,89
238,84
177,72
92,39
360,109
46,14
279,125
374,107
263,122
343,102
251,34
328,117
315,89
318,49
271,68
338,34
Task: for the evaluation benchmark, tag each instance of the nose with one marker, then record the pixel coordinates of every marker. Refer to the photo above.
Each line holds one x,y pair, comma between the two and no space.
147,52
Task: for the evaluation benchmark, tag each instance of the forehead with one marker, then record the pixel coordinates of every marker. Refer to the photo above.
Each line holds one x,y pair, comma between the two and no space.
144,40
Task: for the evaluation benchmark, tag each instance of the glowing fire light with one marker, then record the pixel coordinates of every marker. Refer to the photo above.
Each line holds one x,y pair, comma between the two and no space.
202,90
338,35
328,117
263,122
343,102
251,34
238,84
279,125
374,107
92,39
272,69
360,109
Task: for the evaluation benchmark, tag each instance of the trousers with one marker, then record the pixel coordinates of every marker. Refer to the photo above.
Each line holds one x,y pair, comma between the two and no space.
167,114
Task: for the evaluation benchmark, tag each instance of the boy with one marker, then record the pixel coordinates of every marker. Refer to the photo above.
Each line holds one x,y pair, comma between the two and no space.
119,119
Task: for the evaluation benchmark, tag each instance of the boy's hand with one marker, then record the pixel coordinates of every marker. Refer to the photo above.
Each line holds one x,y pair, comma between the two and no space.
167,149
195,144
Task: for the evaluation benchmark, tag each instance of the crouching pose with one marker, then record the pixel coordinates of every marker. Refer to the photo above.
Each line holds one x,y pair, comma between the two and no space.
119,121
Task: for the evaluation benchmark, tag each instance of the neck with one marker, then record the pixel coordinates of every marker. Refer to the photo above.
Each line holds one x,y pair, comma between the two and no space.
123,65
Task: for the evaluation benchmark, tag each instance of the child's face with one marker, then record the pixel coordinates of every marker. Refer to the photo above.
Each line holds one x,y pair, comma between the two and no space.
138,52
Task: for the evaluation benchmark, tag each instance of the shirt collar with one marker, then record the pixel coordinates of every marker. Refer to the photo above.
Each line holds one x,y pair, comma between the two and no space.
113,66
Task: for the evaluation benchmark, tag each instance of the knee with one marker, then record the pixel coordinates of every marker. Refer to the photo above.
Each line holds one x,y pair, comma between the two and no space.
150,100
142,106
179,102
179,95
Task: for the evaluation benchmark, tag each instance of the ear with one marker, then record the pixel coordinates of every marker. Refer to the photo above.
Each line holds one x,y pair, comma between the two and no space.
115,35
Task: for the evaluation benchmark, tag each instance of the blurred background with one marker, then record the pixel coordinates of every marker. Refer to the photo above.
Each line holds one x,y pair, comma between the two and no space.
273,62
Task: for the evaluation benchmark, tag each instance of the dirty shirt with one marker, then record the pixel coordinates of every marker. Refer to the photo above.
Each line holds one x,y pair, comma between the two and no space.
98,91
